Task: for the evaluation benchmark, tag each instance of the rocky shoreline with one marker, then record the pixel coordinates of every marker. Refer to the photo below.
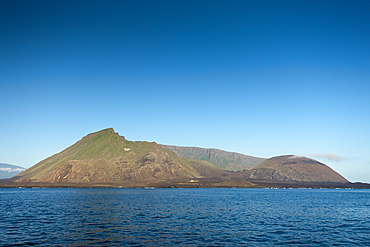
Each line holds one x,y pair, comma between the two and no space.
199,183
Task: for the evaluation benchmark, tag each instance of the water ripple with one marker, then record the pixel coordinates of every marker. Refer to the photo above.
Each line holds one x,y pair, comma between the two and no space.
184,217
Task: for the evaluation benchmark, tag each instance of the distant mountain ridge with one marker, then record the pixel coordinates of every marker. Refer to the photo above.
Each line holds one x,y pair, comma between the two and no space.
8,171
225,160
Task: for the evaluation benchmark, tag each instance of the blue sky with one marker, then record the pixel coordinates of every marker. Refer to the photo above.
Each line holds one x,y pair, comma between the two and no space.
262,78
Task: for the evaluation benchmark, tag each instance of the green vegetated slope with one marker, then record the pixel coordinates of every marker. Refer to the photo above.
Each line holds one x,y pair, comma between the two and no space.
291,168
106,156
225,160
102,144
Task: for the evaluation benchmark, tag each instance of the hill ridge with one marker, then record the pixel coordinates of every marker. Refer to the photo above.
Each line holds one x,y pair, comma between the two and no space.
232,161
106,156
291,168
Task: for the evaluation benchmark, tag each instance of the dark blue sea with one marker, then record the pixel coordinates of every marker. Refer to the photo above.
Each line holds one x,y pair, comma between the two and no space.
184,217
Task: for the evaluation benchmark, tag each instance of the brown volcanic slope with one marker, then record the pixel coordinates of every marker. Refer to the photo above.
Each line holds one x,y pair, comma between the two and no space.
105,156
290,168
222,159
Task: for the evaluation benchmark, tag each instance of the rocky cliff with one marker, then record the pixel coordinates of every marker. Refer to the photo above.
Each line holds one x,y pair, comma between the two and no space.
225,160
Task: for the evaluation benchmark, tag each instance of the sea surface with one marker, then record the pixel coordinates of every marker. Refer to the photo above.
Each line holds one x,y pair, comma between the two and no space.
184,217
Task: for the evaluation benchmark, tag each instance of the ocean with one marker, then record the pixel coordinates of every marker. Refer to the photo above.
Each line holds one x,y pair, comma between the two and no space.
184,217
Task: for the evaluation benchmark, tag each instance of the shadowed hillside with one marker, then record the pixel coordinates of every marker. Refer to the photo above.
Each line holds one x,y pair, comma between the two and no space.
222,159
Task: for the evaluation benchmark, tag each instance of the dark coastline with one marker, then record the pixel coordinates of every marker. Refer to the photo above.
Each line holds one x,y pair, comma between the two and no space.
199,183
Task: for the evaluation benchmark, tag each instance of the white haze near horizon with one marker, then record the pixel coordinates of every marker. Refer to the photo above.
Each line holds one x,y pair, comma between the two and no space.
8,169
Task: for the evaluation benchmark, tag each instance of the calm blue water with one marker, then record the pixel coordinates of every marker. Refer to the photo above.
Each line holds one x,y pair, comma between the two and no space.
184,217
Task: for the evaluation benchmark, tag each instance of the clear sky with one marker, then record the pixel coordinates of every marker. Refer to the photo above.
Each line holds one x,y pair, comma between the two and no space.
261,78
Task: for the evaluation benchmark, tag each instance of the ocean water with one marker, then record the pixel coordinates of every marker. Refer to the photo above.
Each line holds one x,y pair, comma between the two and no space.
184,217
